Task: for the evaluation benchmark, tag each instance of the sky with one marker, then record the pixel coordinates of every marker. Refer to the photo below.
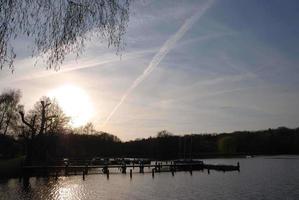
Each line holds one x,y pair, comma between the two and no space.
201,66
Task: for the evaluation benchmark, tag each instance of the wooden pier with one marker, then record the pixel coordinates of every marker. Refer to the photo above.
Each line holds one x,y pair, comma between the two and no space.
156,167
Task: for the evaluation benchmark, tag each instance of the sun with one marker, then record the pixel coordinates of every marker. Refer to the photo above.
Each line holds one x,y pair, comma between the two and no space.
75,103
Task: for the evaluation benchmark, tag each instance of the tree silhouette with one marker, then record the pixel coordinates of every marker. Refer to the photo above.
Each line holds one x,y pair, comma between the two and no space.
9,106
87,129
60,27
164,133
44,119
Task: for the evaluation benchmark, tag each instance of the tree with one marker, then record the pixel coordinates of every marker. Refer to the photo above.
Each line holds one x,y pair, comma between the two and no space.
9,106
164,133
60,27
44,119
87,129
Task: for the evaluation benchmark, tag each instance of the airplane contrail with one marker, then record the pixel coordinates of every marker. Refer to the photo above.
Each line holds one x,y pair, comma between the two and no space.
166,47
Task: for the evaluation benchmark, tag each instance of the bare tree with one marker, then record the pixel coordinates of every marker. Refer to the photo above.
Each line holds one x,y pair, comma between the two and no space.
60,27
164,133
9,106
87,129
44,119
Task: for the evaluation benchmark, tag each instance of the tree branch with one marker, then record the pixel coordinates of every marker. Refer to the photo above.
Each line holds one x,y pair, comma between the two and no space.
31,126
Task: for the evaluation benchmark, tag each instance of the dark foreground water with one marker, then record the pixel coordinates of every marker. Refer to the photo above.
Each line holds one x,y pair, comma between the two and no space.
274,177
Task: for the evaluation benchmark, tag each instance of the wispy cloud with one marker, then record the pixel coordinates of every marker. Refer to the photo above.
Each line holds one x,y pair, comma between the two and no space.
166,47
77,65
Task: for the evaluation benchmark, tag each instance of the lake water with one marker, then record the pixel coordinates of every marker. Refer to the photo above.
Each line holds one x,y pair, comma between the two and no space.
275,177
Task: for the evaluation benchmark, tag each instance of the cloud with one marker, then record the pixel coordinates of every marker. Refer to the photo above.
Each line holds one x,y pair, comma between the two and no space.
166,47
75,65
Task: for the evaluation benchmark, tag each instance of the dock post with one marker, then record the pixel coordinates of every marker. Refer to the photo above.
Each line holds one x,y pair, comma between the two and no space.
153,173
131,173
208,170
83,177
66,170
159,167
174,167
105,169
86,169
141,168
56,175
107,174
191,170
123,169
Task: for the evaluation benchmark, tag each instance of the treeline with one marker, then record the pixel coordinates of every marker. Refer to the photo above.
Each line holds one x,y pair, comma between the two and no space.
50,148
272,141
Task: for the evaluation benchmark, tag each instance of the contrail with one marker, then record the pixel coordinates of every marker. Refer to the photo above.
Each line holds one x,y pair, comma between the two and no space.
66,68
167,46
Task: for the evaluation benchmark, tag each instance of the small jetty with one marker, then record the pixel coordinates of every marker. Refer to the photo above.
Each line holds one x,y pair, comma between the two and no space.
122,166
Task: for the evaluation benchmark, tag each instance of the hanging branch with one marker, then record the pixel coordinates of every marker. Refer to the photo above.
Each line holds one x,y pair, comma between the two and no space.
60,27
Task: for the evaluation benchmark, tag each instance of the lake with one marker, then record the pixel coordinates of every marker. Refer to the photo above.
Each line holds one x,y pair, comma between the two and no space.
270,177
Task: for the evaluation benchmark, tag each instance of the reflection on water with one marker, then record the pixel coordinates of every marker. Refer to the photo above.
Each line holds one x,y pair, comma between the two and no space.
260,178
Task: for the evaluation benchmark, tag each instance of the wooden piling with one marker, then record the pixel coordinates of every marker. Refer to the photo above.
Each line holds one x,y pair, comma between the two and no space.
66,170
86,169
141,168
56,175
123,169
131,173
83,175
153,173
107,174
105,169
159,167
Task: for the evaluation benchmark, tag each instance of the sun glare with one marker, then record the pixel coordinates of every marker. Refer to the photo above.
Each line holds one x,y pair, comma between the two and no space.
74,102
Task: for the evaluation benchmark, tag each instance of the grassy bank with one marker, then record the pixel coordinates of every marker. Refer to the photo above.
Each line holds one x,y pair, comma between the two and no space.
11,167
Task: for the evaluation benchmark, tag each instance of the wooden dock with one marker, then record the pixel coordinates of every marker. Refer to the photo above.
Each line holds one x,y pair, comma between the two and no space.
157,167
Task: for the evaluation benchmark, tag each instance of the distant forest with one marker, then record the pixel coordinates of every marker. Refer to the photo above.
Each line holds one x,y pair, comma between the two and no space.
57,146
43,135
